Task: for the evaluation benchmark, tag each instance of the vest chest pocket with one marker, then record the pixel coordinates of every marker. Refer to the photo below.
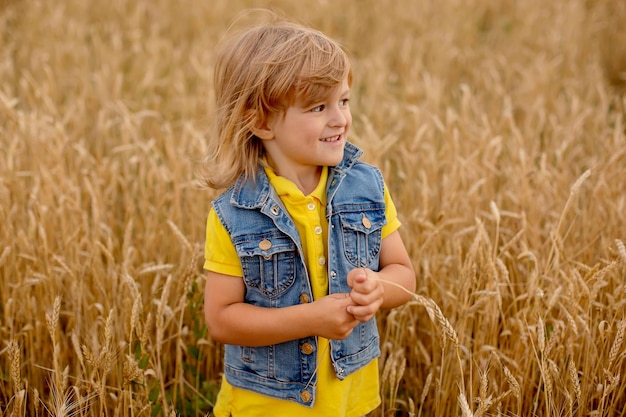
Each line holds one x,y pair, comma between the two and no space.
268,262
362,235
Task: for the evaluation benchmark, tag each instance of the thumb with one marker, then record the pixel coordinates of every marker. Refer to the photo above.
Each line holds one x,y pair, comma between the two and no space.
357,276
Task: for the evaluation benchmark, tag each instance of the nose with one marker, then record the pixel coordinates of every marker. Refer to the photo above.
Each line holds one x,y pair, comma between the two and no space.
339,116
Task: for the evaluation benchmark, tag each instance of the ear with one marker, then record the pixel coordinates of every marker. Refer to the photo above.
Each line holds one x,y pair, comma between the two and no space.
263,130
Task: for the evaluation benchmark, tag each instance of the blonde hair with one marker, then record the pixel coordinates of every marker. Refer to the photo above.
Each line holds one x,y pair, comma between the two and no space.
262,72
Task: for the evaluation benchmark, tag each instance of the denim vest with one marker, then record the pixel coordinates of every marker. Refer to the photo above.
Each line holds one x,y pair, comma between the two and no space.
274,272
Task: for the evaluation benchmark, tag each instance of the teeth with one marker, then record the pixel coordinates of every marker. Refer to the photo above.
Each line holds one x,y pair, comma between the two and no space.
331,139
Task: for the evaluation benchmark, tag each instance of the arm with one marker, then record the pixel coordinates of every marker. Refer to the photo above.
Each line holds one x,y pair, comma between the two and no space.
232,321
391,286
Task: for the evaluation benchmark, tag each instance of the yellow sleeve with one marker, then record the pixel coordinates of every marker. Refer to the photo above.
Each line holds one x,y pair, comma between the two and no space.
393,223
219,252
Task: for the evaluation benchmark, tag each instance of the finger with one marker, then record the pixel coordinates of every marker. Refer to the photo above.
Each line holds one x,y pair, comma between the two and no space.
361,276
362,313
360,298
356,276
363,310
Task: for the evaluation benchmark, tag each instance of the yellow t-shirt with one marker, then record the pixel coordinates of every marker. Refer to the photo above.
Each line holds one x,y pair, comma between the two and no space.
358,393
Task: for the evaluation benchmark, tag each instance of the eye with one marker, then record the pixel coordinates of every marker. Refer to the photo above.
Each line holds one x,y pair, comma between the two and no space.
318,109
344,102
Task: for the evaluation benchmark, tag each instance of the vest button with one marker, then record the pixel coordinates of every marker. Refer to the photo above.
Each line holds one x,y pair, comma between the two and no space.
305,396
366,222
307,348
322,260
311,206
318,230
304,298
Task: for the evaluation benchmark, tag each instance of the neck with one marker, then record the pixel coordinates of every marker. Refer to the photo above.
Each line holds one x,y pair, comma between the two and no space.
305,180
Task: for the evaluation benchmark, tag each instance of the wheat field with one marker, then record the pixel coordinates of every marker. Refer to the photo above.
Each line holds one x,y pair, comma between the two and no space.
499,126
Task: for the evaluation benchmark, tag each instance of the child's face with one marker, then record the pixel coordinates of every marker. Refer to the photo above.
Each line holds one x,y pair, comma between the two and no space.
305,138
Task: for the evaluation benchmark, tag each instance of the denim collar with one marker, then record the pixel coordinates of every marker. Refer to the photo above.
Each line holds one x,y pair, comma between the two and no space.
253,194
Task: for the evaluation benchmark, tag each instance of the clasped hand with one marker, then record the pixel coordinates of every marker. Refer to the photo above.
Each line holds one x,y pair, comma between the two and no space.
341,312
367,293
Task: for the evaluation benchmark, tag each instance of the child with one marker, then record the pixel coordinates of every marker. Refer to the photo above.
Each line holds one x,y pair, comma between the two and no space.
302,250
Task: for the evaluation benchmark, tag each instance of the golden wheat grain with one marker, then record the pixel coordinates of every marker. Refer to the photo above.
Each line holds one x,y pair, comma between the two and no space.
36,401
106,252
65,377
135,323
411,408
598,278
437,317
503,272
541,336
162,309
67,403
555,337
399,374
584,324
426,389
64,265
621,249
548,383
181,237
435,314
484,402
126,244
107,353
52,318
150,269
15,362
570,403
89,357
466,411
5,255
386,371
146,329
570,319
556,238
612,381
616,348
18,403
132,371
513,383
393,372
554,297
574,381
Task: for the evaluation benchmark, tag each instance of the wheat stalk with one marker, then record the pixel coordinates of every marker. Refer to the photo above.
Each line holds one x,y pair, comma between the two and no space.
426,389
616,348
575,383
621,249
15,364
513,384
5,255
556,238
466,411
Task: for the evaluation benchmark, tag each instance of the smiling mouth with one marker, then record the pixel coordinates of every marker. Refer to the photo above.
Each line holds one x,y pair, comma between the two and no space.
332,138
